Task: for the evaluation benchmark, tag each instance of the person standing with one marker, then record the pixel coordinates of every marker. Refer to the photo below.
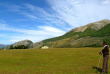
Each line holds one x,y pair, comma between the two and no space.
105,52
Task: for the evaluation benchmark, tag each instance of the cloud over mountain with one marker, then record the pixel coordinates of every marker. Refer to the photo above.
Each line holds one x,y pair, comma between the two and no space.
38,20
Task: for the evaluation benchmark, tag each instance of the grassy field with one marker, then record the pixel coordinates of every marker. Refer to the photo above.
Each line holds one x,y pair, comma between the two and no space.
50,61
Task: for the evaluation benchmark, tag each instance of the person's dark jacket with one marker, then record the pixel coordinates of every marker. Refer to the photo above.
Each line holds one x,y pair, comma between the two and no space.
105,50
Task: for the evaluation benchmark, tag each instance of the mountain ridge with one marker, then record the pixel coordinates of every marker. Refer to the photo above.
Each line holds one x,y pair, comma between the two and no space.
95,25
3,45
90,35
23,42
96,30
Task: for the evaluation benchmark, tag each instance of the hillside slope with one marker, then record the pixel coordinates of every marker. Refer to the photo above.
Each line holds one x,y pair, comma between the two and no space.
92,34
83,30
28,43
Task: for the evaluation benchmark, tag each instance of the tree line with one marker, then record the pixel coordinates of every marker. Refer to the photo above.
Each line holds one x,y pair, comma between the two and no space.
19,47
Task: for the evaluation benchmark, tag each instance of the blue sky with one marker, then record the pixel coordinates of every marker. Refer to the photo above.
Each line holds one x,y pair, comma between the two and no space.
37,20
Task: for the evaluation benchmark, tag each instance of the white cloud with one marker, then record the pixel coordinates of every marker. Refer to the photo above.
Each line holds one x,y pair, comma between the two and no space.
20,20
20,37
45,16
42,33
80,12
106,2
63,14
1,35
66,10
51,30
35,13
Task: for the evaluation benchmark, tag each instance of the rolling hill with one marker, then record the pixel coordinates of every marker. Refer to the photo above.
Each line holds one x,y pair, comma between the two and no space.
90,35
24,44
1,45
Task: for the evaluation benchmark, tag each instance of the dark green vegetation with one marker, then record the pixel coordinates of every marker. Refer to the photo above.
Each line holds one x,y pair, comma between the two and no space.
25,44
102,32
50,61
19,47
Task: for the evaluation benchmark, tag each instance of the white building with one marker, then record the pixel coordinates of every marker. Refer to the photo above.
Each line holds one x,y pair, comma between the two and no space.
45,47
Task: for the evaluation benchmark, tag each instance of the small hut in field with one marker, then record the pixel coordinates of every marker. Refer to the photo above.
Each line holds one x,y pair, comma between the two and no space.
45,47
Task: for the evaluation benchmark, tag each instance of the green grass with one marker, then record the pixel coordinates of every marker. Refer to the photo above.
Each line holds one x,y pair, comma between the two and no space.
50,61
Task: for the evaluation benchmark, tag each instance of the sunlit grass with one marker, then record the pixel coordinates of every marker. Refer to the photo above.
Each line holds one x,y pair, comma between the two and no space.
50,61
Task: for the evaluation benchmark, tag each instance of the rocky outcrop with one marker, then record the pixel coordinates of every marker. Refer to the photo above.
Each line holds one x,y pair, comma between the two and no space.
24,42
96,25
37,45
99,25
80,29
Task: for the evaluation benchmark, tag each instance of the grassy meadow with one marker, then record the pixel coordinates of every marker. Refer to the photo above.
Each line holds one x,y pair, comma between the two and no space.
50,61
